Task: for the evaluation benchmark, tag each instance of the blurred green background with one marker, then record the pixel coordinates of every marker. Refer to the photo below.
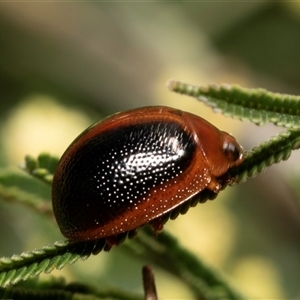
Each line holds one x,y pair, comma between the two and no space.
66,65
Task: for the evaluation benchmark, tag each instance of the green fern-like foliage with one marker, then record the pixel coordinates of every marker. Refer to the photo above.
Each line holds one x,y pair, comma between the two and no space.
254,105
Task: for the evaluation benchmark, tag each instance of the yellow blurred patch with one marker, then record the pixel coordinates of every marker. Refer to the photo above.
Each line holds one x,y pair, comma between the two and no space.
40,124
258,278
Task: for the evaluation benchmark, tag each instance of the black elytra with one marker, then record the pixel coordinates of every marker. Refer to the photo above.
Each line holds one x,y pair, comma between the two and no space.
133,167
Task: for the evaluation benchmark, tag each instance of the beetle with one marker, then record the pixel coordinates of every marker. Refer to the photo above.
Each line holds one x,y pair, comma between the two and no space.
134,168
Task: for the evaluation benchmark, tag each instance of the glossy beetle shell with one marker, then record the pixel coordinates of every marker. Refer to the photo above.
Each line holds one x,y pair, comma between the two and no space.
136,166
